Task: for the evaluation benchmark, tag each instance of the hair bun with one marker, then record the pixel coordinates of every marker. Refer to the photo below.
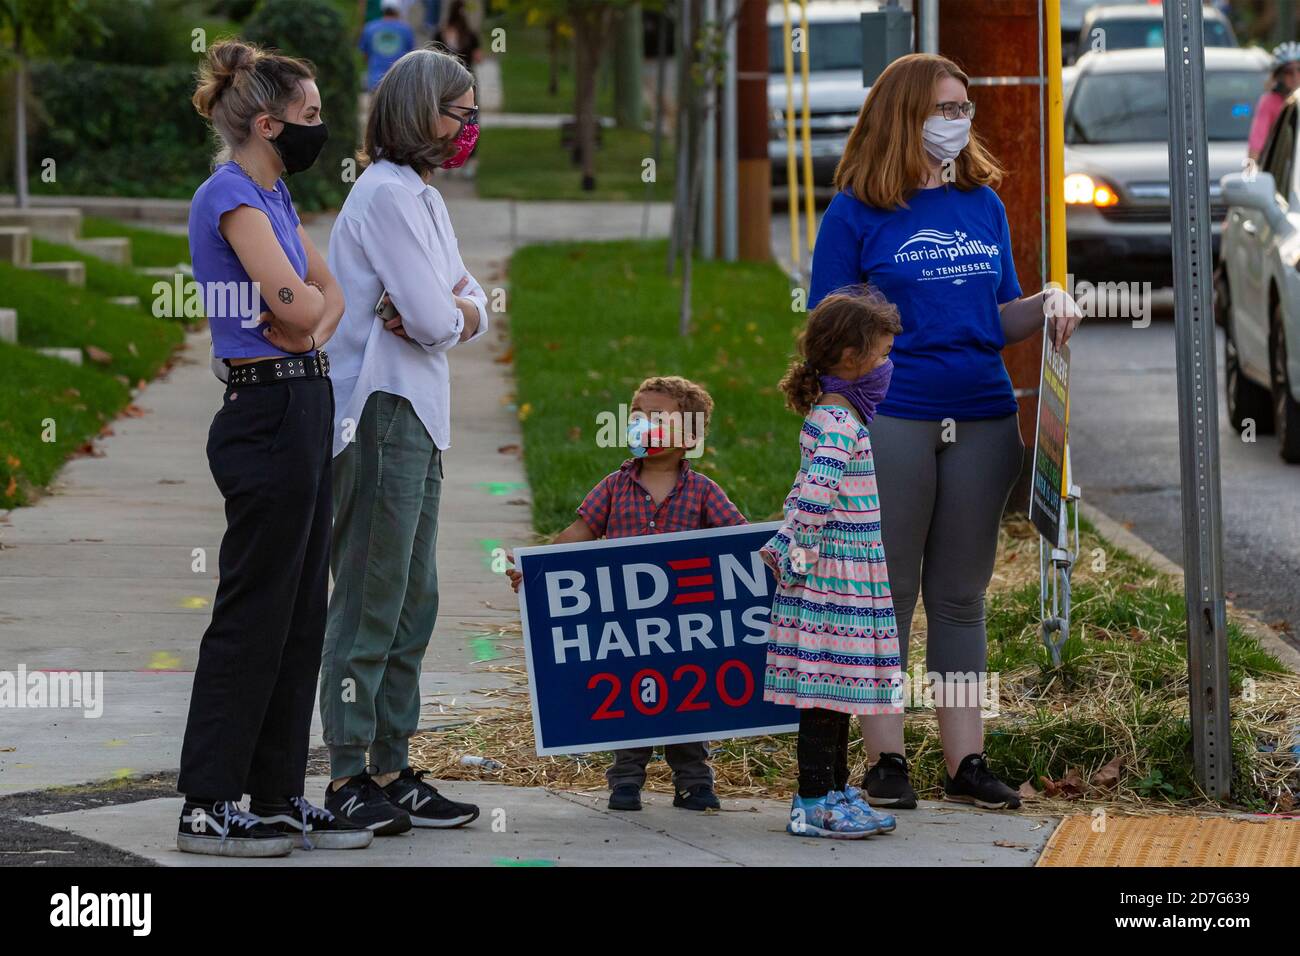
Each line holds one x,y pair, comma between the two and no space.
226,60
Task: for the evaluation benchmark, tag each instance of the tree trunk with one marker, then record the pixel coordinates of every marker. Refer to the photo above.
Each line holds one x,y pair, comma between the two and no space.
589,30
20,123
553,47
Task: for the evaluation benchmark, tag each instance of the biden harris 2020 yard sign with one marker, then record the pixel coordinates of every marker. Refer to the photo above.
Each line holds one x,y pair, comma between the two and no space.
649,640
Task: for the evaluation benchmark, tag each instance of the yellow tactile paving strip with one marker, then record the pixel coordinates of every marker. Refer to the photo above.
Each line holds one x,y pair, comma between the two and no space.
1174,841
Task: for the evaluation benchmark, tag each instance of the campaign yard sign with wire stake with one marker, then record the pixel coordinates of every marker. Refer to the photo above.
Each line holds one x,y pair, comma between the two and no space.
649,640
1049,477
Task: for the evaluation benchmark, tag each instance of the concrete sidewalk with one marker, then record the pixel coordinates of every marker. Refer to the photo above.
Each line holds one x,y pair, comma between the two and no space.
530,826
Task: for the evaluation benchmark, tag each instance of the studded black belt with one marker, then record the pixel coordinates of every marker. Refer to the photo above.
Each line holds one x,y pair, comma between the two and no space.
274,370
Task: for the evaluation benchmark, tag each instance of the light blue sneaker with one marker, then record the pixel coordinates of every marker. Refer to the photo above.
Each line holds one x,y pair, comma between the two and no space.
858,802
829,816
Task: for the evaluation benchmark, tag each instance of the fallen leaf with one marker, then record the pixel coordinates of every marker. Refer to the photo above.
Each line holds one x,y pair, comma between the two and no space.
1107,778
575,433
1014,846
134,411
508,449
1027,791
96,354
506,357
13,462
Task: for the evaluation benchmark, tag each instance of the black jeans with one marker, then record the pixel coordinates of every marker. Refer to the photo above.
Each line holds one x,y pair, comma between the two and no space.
269,448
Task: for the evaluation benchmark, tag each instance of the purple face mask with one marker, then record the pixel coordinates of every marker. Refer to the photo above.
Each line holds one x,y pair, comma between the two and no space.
865,393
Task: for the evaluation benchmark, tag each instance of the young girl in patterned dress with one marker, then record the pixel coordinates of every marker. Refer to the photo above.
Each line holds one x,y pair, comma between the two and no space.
833,644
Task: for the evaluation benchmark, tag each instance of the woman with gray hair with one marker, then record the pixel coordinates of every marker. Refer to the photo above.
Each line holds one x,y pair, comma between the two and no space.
409,300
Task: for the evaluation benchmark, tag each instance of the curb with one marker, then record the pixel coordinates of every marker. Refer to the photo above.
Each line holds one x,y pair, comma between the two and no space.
1121,537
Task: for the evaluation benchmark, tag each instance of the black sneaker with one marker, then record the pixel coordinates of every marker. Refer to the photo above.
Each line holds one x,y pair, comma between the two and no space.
361,802
976,784
887,783
626,796
425,805
698,797
311,828
223,829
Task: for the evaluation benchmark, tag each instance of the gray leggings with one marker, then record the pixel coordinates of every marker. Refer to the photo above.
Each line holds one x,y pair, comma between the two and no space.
940,507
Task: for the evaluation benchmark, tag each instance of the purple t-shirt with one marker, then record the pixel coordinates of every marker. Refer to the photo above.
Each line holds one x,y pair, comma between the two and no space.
230,303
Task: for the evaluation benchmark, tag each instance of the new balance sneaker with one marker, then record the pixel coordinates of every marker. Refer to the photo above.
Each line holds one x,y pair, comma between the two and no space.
362,803
830,816
698,797
976,784
888,785
222,828
425,805
311,828
626,796
858,802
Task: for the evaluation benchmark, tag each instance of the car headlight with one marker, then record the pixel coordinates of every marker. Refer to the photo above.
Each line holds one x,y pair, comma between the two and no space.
1083,190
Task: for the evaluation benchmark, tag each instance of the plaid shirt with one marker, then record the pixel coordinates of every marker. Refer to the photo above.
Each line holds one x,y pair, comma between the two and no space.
620,506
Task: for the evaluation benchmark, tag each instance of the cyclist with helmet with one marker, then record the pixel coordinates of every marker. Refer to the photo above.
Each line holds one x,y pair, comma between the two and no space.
1286,77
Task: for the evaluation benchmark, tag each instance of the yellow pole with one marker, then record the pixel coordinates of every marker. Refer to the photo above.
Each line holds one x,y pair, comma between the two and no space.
791,170
1055,133
810,220
1055,146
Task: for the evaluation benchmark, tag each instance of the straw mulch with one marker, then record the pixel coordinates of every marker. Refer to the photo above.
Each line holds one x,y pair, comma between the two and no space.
1099,715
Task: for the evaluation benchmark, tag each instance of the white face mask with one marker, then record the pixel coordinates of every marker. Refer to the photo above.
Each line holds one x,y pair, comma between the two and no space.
945,138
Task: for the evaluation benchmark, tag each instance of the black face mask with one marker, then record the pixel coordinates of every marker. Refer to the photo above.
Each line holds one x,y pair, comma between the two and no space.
299,145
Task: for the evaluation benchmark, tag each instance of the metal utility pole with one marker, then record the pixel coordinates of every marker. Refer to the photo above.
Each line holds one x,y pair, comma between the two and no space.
753,169
730,156
927,27
1198,404
707,222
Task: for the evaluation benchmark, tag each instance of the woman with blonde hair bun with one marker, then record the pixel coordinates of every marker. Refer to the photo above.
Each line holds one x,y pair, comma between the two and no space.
271,303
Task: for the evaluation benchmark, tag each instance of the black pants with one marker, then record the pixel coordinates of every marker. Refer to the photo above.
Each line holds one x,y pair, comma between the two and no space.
823,752
269,449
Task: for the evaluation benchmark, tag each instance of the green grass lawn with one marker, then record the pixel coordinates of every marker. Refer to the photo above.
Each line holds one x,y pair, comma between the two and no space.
531,164
149,247
525,72
590,321
54,314
102,278
33,390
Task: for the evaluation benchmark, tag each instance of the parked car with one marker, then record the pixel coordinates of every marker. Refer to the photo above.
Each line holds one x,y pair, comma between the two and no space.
1128,26
835,90
1257,289
1117,156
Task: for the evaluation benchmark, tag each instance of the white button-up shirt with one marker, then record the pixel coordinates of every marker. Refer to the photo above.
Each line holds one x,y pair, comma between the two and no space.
394,233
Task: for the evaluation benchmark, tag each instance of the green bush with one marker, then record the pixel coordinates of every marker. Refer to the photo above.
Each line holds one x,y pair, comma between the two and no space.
315,30
117,130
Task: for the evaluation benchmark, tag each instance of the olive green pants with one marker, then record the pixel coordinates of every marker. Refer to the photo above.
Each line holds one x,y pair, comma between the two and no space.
387,484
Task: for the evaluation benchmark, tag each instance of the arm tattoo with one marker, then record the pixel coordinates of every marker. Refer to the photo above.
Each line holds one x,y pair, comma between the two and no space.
286,295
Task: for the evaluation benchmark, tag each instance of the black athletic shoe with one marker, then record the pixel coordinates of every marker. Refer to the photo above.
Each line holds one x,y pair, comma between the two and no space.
425,805
887,783
976,784
626,796
223,829
311,828
698,797
362,802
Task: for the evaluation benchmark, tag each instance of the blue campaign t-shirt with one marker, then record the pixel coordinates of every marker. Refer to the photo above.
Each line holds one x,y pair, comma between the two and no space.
945,261
228,292
384,42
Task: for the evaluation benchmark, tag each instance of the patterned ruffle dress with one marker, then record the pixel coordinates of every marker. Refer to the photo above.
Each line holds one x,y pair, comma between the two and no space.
833,640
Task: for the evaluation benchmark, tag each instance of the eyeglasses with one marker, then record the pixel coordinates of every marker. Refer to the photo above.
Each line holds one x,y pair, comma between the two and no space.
469,117
953,110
